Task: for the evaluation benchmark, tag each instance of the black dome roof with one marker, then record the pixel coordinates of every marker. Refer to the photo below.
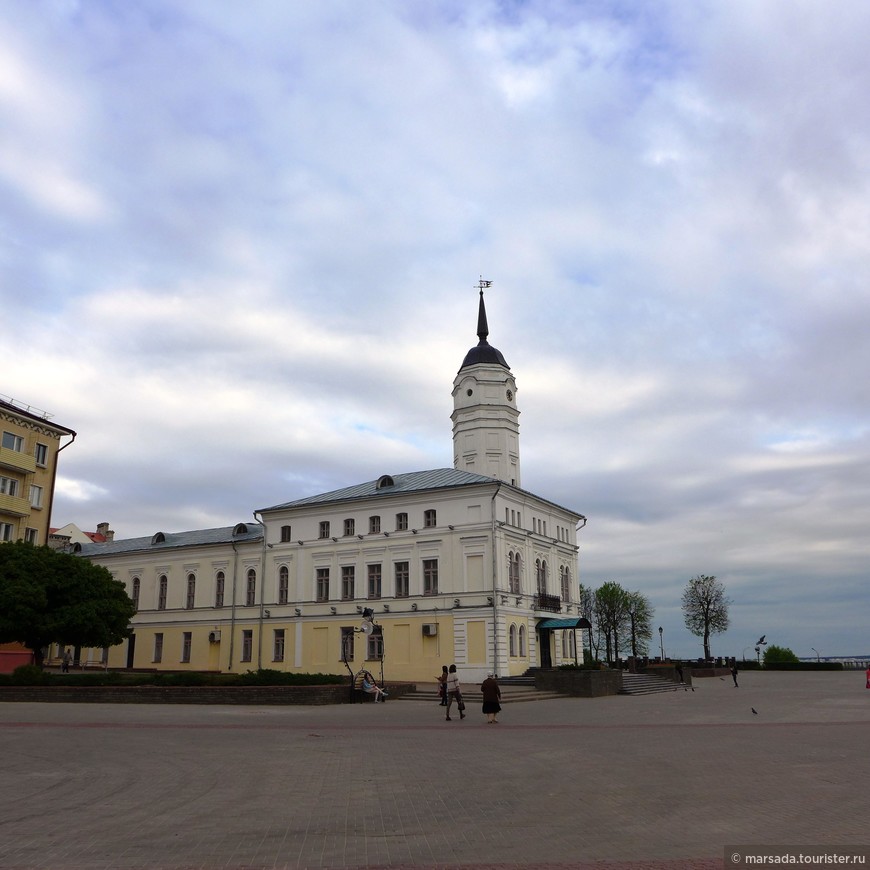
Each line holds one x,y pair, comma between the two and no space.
484,352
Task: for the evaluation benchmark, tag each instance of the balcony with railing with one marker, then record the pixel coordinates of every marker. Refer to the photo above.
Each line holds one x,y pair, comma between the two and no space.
551,603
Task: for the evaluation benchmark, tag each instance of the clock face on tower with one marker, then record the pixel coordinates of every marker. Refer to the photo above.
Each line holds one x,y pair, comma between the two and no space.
510,395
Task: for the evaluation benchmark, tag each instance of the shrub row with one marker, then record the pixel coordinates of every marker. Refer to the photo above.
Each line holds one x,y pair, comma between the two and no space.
31,675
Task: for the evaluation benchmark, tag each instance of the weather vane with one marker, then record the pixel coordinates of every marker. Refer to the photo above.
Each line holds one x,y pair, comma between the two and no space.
482,285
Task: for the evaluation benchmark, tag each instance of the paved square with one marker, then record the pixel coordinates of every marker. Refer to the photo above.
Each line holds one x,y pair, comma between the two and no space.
660,781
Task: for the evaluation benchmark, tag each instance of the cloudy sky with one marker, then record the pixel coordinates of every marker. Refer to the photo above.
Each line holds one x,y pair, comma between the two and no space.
239,244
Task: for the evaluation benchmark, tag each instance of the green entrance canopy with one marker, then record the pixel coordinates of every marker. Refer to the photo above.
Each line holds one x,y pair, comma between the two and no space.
578,622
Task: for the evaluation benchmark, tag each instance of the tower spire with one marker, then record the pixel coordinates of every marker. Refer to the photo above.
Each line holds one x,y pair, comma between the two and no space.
482,325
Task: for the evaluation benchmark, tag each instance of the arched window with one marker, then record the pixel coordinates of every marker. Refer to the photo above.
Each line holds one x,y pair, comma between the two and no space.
541,576
522,641
565,577
251,597
190,600
162,590
283,584
219,580
514,572
513,641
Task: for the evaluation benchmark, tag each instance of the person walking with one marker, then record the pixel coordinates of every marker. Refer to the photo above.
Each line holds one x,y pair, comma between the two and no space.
442,685
67,658
734,672
454,693
491,698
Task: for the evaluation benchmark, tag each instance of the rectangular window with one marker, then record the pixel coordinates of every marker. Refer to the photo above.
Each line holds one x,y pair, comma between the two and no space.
8,486
7,530
35,496
278,645
375,645
31,536
347,581
322,592
374,581
374,525
347,635
349,528
13,442
430,576
158,647
41,454
247,644
162,589
429,520
324,529
185,646
401,522
402,572
286,532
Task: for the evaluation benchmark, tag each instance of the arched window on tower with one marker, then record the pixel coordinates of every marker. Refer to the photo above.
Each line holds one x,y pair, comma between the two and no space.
283,584
512,639
522,641
251,596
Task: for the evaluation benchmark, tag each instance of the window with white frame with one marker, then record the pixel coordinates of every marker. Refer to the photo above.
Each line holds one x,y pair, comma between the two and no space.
11,441
541,576
283,584
402,571
514,572
348,574
324,529
347,636
7,530
374,525
375,645
136,589
186,640
278,645
247,644
401,522
219,582
35,496
512,641
374,584
565,577
8,486
322,590
522,638
190,598
251,588
162,590
349,528
430,518
41,454
430,576
31,536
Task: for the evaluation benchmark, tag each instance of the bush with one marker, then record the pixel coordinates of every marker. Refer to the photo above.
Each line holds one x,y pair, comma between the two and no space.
29,675
778,654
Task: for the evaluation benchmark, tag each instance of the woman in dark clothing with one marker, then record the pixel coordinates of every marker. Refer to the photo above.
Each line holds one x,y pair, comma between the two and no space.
491,697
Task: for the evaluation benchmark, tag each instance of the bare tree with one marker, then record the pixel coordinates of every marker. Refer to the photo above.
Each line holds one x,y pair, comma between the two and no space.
705,608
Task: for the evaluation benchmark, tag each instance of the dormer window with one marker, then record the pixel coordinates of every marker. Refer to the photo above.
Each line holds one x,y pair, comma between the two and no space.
159,538
240,529
385,480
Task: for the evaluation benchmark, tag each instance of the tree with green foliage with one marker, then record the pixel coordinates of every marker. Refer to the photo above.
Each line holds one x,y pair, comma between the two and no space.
774,654
611,616
640,615
47,596
705,608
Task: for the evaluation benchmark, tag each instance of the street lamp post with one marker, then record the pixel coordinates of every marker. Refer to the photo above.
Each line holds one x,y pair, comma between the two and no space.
661,642
818,655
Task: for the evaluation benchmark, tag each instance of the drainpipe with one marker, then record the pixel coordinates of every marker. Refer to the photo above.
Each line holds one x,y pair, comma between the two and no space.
53,482
233,608
262,525
494,581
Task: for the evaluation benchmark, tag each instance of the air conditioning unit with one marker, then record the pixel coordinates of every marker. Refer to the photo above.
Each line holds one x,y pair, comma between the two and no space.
430,629
214,636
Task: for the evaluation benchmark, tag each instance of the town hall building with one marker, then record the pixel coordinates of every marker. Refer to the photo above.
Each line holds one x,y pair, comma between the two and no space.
398,575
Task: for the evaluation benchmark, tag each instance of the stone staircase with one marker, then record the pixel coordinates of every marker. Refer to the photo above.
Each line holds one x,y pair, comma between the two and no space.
514,690
647,684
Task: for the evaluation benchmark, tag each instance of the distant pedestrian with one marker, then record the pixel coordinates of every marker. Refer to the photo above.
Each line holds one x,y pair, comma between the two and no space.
868,678
491,698
442,685
67,658
454,693
734,672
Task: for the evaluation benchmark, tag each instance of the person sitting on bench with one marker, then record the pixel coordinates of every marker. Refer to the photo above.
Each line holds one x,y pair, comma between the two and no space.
372,688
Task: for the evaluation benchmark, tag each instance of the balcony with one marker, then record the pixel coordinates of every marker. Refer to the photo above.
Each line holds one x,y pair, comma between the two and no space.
12,504
17,461
552,603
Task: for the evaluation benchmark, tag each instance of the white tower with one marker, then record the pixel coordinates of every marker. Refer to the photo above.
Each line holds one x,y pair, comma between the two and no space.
486,429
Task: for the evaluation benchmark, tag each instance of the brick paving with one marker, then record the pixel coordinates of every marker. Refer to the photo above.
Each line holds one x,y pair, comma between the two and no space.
657,782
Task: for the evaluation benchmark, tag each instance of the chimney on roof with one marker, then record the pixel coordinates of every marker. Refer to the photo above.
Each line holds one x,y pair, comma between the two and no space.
104,530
